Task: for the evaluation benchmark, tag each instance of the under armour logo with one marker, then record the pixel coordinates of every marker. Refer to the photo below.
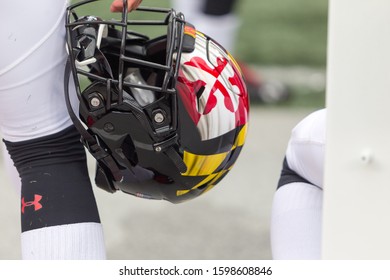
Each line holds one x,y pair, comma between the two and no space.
34,203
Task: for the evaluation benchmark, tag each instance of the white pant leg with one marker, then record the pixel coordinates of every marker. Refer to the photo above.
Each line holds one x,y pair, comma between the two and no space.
306,148
32,69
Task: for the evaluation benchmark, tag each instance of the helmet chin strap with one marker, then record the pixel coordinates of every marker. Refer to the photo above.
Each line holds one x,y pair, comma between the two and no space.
89,141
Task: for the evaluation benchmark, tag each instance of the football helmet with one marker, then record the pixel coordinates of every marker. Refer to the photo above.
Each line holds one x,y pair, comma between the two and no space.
165,117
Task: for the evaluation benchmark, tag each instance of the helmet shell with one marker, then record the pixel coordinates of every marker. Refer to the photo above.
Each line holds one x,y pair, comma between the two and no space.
170,114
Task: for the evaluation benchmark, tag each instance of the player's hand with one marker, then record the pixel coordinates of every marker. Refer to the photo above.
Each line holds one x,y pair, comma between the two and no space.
117,5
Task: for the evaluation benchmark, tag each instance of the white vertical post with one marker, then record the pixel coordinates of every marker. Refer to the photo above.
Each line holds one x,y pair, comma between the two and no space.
356,221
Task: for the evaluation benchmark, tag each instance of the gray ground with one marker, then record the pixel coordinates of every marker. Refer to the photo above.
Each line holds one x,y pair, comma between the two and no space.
229,222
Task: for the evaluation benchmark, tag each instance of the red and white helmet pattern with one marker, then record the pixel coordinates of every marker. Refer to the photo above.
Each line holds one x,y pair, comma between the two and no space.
212,89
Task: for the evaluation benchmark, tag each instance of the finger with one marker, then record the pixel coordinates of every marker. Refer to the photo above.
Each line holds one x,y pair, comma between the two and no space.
117,5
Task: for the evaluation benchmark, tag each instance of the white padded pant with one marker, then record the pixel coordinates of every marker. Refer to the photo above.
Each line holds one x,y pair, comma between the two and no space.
32,63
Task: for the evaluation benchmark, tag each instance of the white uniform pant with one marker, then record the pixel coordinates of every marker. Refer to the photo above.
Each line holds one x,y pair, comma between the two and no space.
32,63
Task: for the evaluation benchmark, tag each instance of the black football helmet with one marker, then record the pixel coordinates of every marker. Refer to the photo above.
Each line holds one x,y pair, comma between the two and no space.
165,117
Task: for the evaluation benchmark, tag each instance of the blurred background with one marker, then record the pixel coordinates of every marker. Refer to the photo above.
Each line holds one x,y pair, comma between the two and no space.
282,43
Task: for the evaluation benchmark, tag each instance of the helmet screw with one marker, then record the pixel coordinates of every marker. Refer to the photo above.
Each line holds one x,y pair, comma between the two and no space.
108,127
159,117
95,102
158,149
